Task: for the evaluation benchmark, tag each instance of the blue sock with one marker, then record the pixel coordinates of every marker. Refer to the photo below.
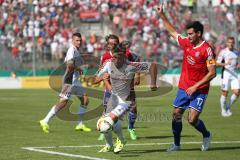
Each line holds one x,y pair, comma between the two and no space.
177,129
131,120
201,128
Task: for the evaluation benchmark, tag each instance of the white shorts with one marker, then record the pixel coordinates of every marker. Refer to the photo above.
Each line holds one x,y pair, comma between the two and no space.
115,101
68,90
227,82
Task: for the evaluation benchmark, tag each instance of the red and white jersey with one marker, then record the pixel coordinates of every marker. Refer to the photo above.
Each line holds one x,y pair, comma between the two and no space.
195,63
107,56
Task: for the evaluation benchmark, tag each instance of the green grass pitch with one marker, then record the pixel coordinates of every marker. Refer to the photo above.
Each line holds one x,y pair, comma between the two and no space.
20,111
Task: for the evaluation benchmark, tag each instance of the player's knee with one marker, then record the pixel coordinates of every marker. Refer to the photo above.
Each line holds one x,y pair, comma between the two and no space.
177,117
192,121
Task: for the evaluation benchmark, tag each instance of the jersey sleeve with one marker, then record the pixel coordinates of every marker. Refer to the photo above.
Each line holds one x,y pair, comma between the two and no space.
220,57
210,56
69,56
105,69
182,41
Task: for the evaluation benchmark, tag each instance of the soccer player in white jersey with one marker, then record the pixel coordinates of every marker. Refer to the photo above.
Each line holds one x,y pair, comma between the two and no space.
71,85
121,73
228,59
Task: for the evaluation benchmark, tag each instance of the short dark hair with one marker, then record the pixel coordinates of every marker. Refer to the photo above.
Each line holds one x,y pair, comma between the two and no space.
112,36
77,34
119,49
196,25
231,38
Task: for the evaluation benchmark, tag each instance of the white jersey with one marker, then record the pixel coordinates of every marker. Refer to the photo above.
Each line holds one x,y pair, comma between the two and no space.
73,55
229,56
121,78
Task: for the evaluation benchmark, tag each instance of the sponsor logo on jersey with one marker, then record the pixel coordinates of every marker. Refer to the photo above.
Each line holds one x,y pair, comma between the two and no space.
190,60
197,54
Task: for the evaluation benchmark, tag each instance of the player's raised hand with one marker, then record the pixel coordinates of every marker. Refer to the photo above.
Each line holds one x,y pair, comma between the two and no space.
160,10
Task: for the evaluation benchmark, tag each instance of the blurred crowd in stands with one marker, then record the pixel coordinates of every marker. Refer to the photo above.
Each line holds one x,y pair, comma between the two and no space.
52,22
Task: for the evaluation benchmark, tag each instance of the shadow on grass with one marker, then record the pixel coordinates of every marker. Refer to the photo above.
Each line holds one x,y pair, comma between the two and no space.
134,153
162,137
125,128
214,148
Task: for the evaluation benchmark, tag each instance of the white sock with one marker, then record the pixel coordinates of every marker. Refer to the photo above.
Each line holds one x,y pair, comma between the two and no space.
81,112
232,100
108,139
117,128
223,102
50,114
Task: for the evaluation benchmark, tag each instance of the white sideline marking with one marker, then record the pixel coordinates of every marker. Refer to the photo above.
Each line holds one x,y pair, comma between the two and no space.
39,149
62,154
136,144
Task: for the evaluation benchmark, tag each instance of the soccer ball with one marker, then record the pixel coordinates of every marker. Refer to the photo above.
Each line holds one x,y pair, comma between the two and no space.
104,124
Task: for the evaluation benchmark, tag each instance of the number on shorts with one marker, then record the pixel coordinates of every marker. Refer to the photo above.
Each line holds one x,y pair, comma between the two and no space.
199,101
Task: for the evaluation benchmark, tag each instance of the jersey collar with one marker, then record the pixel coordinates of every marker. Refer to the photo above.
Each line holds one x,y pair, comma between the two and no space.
199,45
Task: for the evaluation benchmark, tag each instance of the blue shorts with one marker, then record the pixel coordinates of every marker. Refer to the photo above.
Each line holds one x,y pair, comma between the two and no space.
195,101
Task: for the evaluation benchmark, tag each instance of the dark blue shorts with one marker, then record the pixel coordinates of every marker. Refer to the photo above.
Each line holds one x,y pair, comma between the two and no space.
195,101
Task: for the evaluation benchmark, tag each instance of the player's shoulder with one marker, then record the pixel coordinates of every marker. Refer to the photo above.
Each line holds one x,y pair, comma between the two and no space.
107,63
106,54
224,50
71,48
206,47
236,52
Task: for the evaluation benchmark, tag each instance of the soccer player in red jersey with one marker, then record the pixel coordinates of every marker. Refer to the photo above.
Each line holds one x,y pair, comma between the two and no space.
198,69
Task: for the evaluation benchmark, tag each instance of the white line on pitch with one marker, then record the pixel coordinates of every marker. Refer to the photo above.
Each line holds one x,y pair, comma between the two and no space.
139,144
62,154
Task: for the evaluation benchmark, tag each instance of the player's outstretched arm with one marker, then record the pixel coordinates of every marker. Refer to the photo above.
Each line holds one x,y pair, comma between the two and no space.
105,79
169,27
97,80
